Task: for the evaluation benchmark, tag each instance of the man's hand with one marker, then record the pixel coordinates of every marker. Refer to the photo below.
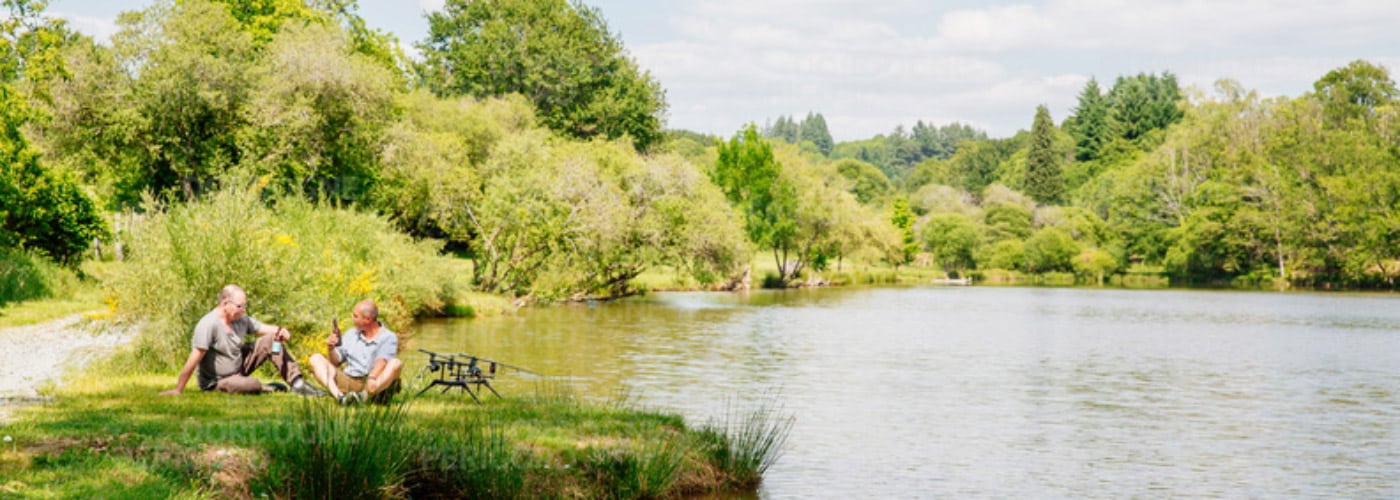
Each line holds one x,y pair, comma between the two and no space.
334,339
282,335
172,392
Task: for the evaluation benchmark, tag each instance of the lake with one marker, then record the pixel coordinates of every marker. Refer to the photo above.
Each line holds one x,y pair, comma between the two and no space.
999,391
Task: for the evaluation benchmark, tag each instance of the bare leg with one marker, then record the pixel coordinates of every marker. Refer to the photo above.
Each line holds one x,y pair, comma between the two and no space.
324,371
386,377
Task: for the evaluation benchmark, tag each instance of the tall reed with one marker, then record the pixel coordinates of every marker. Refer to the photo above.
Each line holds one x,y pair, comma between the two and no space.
338,452
744,444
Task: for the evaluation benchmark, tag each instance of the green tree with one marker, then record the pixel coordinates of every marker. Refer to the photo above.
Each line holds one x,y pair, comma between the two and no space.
943,141
1005,254
190,64
867,182
903,219
814,129
1144,103
953,239
1090,124
784,129
1043,180
264,19
1355,91
40,209
1050,249
751,178
559,55
316,113
1006,221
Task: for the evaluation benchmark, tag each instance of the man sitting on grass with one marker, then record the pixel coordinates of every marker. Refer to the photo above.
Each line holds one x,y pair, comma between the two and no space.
370,354
226,363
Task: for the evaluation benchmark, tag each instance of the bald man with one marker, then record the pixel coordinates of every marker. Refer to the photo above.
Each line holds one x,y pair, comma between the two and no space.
370,355
226,363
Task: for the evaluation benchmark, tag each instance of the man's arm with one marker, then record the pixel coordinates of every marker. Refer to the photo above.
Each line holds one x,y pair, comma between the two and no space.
266,329
195,356
377,369
333,353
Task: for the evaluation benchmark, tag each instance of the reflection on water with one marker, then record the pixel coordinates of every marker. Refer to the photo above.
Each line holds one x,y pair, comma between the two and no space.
1003,392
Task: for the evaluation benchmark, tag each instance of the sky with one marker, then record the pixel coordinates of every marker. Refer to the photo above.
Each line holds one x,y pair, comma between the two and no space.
870,65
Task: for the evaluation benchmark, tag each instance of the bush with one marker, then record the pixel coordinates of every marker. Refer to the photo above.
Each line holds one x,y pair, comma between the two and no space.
300,263
46,211
29,276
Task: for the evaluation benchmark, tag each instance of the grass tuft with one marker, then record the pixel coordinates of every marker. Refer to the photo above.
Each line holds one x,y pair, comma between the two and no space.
743,445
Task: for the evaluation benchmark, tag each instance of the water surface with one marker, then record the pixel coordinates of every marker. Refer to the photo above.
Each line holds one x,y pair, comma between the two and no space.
1002,392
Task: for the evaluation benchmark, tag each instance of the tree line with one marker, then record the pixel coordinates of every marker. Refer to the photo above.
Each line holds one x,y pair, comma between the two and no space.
529,141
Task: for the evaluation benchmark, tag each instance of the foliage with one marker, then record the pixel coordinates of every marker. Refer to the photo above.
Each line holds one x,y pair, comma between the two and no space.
899,152
867,182
188,65
559,55
300,263
784,129
1043,180
315,114
1090,125
1004,254
44,210
28,276
1050,249
1144,103
902,218
953,239
751,179
814,129
1355,91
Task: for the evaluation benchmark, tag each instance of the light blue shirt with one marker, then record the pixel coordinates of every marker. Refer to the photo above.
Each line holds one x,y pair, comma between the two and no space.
359,353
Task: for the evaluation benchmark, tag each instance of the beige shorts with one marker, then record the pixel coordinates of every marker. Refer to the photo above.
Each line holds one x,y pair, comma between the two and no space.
347,383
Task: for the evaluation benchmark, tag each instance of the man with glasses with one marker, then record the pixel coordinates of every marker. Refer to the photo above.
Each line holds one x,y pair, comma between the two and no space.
370,354
226,363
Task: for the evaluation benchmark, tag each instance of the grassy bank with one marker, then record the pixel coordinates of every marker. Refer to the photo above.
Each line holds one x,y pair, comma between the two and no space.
104,435
83,294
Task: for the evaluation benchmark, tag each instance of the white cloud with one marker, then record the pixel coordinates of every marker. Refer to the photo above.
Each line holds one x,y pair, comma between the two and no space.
98,28
868,66
1165,26
431,5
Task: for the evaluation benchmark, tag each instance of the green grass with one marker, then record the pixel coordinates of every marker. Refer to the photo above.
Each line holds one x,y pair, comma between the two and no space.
112,436
85,295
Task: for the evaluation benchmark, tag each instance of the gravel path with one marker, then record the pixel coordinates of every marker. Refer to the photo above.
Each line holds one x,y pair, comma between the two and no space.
31,356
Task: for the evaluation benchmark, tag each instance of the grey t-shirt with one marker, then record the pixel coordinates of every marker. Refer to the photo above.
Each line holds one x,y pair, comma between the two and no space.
224,345
359,353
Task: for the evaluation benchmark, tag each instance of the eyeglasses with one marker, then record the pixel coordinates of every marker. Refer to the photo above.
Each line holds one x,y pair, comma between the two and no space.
243,306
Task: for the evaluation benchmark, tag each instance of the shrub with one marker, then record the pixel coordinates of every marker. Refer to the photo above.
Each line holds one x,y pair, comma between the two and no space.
28,276
300,263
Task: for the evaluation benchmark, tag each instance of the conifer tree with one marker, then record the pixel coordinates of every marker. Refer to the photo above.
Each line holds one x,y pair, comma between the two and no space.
814,129
1043,180
1090,128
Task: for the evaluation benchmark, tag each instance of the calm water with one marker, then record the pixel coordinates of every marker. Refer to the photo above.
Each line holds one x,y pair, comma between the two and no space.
1003,392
